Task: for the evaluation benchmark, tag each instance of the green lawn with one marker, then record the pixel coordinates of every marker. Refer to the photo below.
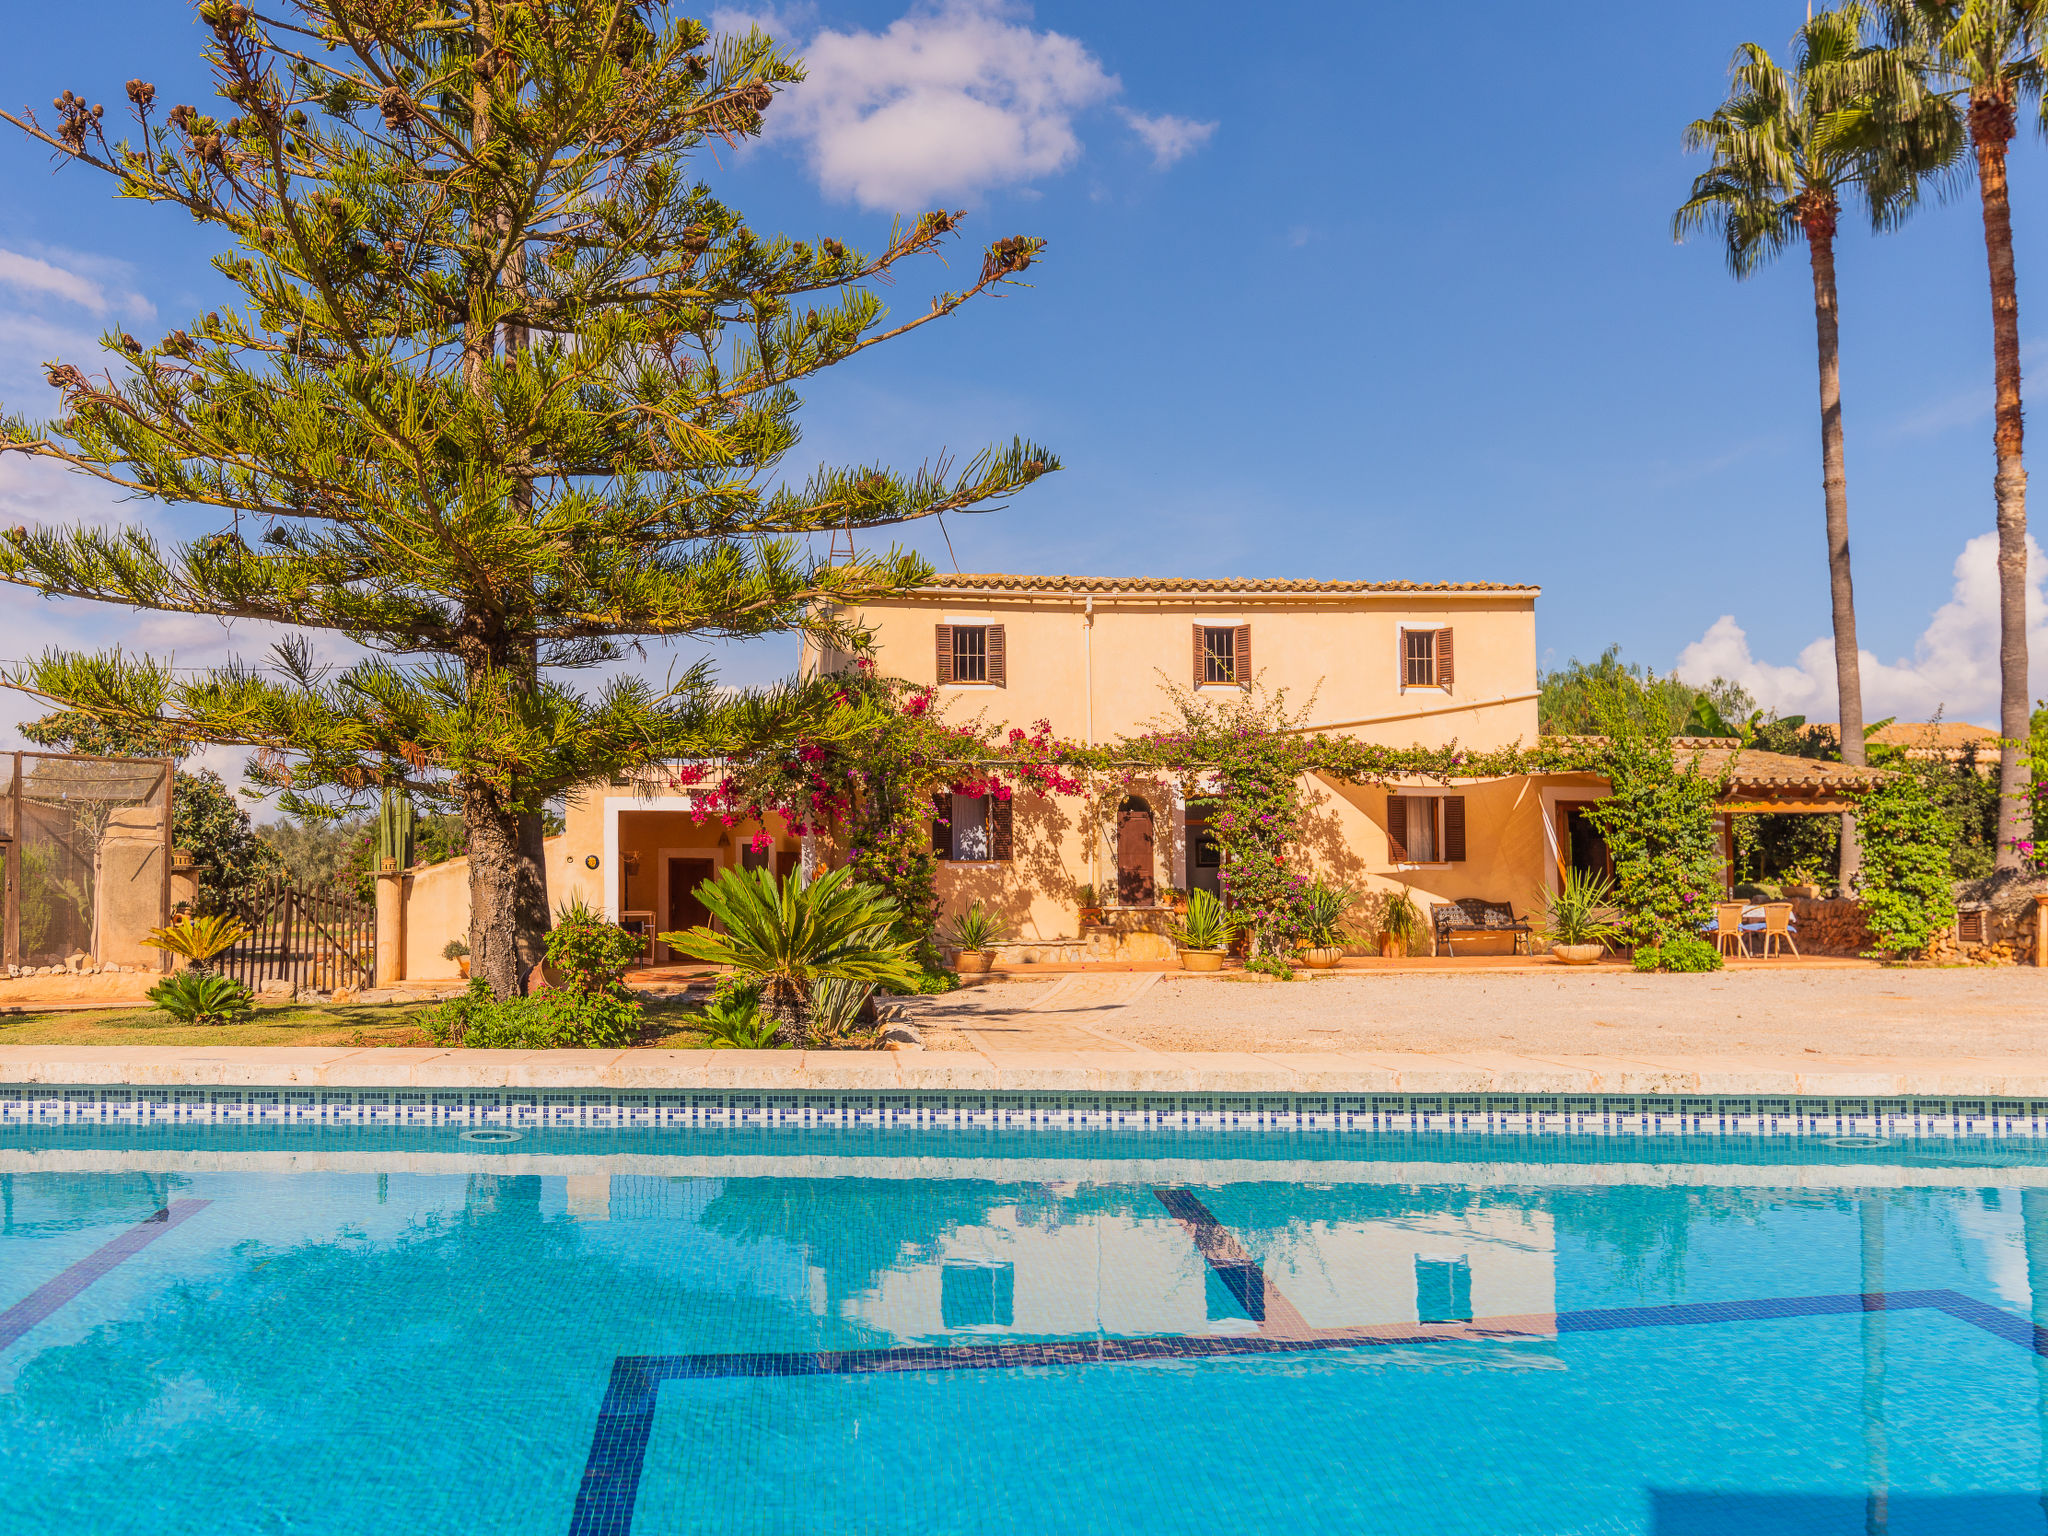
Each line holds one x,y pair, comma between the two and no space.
670,1026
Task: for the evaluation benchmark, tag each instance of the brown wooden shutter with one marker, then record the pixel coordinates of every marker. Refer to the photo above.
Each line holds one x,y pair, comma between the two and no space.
1241,657
942,824
1001,834
1397,829
1454,828
1201,657
998,664
1443,658
945,634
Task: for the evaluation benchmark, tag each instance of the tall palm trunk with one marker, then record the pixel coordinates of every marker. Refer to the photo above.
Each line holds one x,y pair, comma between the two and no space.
1818,218
1991,130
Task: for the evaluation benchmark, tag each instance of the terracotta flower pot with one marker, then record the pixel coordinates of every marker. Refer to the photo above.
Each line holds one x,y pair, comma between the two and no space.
462,965
1575,954
1322,957
1391,948
1201,959
973,962
1091,917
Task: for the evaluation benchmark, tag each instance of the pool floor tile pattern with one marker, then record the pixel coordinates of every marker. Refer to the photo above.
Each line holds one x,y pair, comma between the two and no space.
625,1421
1597,1114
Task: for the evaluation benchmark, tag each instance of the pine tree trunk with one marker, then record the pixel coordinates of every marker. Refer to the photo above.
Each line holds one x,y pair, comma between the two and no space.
1991,130
494,859
1820,245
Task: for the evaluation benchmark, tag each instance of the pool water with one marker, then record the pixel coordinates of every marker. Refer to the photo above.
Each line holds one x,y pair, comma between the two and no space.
250,1330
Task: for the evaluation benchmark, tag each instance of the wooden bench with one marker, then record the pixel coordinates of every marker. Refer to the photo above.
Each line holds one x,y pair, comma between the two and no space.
1468,917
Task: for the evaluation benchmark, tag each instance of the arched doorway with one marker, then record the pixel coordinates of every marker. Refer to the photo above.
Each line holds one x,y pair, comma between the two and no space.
1134,853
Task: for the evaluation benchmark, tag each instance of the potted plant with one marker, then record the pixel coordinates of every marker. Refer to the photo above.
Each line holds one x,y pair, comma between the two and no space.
1091,907
1575,924
1173,896
974,934
1203,932
1400,926
457,951
1323,910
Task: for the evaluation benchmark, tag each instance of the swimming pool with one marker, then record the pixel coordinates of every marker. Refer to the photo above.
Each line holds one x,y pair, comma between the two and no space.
329,1327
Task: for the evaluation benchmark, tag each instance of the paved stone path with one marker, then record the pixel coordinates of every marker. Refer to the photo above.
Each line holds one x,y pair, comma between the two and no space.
1063,1015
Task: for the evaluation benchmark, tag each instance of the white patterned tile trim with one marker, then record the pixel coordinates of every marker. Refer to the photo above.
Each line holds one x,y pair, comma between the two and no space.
605,1109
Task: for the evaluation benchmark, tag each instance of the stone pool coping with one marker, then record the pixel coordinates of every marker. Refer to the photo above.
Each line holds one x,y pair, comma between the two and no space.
1106,1071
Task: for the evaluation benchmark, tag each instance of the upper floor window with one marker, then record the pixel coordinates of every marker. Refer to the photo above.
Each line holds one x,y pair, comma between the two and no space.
1223,655
972,653
1425,658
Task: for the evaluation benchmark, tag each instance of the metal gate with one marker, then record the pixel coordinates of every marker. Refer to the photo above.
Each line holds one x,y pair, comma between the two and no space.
315,941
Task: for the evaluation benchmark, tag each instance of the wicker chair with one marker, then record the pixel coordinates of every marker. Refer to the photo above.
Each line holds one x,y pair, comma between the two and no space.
1778,926
1728,927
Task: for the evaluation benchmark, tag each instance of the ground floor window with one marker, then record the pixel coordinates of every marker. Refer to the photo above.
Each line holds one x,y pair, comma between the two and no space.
1426,829
970,829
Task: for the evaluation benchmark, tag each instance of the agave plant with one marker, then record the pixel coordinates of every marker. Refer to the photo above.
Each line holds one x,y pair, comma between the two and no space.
1206,925
1323,910
789,935
198,939
976,929
1577,913
201,997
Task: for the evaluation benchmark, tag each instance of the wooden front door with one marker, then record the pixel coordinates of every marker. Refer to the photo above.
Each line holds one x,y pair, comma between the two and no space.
1134,853
684,909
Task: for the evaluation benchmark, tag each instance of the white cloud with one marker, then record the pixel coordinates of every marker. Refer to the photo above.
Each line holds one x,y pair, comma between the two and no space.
1169,138
1953,669
950,100
32,276
74,278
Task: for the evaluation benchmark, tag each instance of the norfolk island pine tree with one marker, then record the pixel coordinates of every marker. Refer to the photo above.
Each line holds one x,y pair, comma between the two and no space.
1787,148
503,393
1982,58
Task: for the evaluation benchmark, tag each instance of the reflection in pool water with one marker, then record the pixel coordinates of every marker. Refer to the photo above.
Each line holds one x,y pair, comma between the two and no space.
249,1331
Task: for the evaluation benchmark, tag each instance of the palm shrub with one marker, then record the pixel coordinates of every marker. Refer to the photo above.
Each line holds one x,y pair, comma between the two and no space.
1324,907
202,997
1206,925
976,929
1578,908
733,1020
789,935
198,939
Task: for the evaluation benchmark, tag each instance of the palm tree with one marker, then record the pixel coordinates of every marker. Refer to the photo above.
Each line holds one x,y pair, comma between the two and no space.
1787,149
797,938
1983,59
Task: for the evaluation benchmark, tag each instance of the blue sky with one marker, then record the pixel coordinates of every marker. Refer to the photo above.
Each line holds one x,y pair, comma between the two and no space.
1332,291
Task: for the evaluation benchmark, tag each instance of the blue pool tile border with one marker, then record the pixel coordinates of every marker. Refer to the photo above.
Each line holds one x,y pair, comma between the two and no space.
43,1104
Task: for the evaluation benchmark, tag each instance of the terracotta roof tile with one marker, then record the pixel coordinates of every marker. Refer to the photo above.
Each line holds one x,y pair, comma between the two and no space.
1946,734
1759,770
994,582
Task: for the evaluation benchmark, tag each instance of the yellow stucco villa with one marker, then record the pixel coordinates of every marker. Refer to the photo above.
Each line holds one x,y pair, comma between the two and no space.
1395,662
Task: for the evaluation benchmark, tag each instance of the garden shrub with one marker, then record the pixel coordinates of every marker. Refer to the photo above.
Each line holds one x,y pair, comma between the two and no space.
589,953
543,1022
1904,882
1660,829
1680,952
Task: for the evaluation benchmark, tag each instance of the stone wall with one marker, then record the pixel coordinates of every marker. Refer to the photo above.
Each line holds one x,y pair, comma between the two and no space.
1829,927
2012,935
